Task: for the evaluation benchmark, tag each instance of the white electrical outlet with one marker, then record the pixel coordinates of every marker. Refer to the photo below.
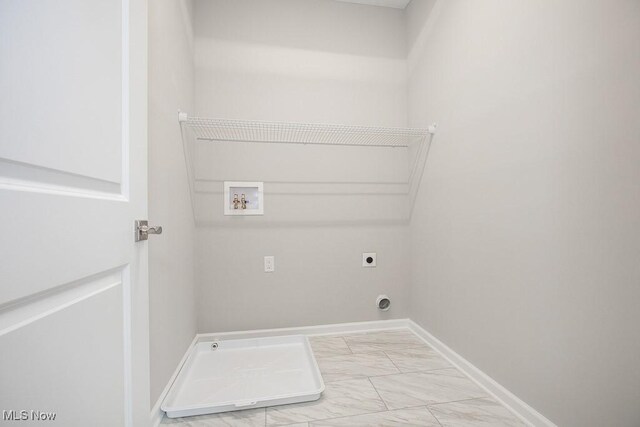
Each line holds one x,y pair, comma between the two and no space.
369,259
269,264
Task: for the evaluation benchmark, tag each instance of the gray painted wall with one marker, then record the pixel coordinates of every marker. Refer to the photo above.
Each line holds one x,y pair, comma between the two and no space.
171,256
525,241
311,61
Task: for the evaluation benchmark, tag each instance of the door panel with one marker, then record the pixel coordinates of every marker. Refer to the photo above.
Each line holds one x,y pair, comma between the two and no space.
73,284
62,71
55,359
58,239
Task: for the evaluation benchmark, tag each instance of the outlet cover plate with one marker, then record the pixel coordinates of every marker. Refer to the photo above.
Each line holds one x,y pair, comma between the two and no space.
269,264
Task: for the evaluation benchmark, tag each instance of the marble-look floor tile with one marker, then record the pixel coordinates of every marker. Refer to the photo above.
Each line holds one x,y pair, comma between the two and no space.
417,359
421,388
400,417
355,366
474,413
340,399
246,418
328,346
382,341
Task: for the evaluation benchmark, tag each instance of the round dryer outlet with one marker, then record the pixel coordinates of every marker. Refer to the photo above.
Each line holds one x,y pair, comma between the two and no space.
383,302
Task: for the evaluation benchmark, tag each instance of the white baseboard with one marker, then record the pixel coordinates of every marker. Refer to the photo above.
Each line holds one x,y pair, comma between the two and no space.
519,408
337,328
523,411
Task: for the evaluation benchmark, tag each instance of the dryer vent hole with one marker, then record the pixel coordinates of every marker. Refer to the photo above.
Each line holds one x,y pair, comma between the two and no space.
383,303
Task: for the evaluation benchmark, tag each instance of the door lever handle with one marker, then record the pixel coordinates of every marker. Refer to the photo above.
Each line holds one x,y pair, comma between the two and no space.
142,230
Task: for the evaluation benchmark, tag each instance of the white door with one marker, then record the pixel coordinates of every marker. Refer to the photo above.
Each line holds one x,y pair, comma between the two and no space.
73,284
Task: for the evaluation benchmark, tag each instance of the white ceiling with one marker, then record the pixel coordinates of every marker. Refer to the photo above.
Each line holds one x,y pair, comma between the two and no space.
397,4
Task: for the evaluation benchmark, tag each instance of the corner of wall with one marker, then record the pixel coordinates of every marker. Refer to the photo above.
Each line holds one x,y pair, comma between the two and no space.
171,256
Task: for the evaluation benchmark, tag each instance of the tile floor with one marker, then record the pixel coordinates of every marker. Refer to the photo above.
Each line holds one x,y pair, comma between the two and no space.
388,378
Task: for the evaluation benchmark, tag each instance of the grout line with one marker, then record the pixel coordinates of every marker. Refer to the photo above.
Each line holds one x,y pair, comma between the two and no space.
422,405
333,355
292,424
426,371
390,375
362,378
392,362
418,370
366,413
412,346
434,416
347,344
378,393
464,400
399,371
352,354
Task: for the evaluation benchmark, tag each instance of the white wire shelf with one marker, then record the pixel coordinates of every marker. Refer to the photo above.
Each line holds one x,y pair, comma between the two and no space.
207,129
